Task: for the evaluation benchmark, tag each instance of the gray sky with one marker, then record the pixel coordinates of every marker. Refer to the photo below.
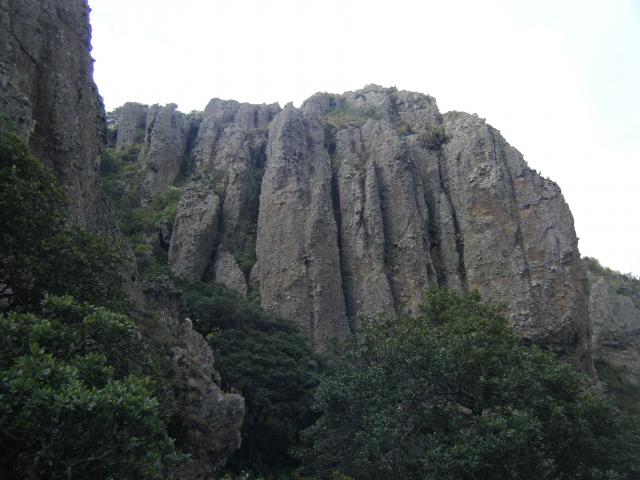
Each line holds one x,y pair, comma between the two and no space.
559,79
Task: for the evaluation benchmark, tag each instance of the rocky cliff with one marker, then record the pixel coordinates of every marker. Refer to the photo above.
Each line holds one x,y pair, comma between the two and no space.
614,308
349,206
47,95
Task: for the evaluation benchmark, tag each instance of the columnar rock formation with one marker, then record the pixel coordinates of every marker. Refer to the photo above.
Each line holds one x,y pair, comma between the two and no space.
357,202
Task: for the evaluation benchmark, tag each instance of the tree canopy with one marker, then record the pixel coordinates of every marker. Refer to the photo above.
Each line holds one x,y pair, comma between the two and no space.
41,252
266,359
450,393
75,398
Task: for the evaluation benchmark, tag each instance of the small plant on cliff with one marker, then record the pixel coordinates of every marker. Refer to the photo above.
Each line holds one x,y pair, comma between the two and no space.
433,138
451,393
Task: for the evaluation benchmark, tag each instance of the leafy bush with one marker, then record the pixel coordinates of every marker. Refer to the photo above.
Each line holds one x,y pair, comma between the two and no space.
74,401
265,358
40,251
450,393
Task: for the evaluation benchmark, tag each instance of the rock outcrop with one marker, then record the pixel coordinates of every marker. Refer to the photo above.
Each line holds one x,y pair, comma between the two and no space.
131,124
614,309
206,421
355,203
297,245
48,95
164,149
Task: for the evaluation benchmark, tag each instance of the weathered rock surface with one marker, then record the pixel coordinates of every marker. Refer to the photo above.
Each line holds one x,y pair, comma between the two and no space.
227,272
164,149
362,200
297,244
206,421
131,125
517,234
615,318
194,230
48,94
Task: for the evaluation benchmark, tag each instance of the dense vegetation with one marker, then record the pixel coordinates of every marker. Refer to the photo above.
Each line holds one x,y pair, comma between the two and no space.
78,383
448,393
266,359
451,393
41,252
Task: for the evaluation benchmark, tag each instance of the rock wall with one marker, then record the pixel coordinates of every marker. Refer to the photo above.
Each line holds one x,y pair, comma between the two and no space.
614,309
355,203
47,93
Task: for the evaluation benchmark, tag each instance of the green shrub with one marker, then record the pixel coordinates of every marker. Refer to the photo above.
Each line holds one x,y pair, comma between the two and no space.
266,359
433,138
451,393
75,401
40,251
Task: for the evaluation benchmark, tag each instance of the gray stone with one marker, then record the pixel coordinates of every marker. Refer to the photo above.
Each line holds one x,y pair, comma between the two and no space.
132,124
297,244
227,272
48,94
164,150
209,419
194,230
615,321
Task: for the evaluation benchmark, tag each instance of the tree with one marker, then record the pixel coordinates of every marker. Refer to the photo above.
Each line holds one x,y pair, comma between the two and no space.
451,394
266,359
74,400
39,251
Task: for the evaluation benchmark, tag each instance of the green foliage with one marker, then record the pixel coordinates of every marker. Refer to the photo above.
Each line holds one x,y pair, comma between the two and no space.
122,175
269,362
450,393
74,401
40,251
621,283
433,138
624,393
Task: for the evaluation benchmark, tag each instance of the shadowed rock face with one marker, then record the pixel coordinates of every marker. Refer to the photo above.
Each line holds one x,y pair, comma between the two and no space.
615,315
48,94
357,202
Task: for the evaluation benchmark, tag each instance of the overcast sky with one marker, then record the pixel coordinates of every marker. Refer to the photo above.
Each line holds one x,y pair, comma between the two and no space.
559,79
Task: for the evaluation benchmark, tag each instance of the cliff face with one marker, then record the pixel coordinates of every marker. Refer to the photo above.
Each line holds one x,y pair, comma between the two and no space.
48,96
614,308
355,203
